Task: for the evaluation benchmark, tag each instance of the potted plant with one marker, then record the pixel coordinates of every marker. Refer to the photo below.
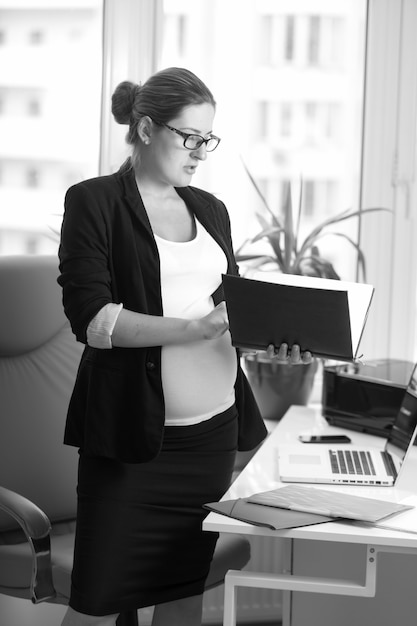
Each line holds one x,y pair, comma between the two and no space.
277,386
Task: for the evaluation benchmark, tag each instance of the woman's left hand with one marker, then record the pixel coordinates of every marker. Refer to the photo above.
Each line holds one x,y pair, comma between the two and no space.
292,356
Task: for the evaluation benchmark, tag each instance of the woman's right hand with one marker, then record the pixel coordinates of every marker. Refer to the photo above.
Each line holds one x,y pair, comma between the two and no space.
216,323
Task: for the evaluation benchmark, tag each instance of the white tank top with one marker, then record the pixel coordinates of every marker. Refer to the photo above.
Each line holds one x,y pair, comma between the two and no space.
197,378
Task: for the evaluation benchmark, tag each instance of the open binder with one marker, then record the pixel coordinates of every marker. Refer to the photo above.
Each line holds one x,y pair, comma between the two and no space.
322,315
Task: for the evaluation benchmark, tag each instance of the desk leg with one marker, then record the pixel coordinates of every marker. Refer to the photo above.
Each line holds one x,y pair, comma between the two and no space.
291,582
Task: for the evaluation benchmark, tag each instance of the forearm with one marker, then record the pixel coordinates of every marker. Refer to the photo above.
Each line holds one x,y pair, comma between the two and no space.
137,330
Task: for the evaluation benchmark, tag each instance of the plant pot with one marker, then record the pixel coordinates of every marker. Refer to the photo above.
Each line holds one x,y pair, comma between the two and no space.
276,386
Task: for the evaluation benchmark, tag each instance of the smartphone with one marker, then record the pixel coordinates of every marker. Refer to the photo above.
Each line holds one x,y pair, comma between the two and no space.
324,439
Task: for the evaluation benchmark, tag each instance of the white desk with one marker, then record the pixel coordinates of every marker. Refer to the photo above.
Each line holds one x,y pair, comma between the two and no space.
323,559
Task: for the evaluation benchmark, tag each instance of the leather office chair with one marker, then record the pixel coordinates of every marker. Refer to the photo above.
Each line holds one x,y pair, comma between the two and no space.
38,361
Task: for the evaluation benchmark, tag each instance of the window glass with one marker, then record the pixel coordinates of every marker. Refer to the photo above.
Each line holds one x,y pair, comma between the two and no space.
50,83
288,80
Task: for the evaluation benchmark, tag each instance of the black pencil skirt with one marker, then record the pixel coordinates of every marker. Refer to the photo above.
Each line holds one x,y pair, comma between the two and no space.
139,538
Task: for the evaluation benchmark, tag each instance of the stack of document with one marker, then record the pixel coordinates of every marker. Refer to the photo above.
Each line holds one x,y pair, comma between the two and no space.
296,505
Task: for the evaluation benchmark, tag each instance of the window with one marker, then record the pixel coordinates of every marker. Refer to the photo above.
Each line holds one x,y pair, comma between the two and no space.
261,119
177,33
309,197
285,119
34,107
280,70
389,179
314,40
289,38
32,177
266,67
36,37
49,115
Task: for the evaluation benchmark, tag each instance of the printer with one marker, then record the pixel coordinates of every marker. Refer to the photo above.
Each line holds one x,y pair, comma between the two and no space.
365,396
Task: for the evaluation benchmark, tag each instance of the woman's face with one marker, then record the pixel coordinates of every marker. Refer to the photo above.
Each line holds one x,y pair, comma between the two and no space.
167,160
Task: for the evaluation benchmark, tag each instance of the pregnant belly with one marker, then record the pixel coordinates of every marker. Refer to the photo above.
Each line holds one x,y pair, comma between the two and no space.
198,378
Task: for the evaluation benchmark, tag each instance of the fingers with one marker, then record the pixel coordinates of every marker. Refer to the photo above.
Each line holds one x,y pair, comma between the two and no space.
215,323
307,357
297,357
293,356
270,351
281,355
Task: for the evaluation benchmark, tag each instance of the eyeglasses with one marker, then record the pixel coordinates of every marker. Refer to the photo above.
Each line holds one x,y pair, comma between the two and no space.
192,141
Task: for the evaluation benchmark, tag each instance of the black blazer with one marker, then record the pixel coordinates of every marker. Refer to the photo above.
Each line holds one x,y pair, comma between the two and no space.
108,254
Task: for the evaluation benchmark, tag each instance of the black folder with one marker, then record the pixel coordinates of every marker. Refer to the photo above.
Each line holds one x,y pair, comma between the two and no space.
322,315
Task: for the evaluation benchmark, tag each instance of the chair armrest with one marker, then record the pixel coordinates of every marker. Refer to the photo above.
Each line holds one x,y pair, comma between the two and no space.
33,521
36,526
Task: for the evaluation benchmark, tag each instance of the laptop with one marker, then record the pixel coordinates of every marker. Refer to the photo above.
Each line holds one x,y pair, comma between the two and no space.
353,465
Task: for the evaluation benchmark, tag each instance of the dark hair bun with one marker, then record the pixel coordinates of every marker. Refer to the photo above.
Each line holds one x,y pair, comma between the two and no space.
122,101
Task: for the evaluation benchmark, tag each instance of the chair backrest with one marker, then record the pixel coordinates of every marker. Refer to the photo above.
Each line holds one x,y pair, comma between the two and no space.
39,357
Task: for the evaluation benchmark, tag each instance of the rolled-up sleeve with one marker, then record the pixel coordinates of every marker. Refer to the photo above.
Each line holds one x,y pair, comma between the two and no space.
101,327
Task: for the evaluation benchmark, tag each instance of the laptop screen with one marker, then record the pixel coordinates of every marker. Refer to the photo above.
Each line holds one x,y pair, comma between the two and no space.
403,430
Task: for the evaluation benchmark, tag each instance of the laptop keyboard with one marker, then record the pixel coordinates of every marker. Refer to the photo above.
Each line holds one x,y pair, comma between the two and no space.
389,464
358,462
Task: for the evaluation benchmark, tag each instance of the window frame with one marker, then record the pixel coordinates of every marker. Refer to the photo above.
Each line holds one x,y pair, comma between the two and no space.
132,31
388,178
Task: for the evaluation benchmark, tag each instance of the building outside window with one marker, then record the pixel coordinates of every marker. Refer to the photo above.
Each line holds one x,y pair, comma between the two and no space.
289,38
307,55
50,85
314,38
32,177
300,66
34,107
36,37
280,108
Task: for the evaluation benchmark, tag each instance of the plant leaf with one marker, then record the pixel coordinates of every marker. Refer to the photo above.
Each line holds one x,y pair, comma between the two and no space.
300,205
361,256
345,215
314,265
289,239
260,194
283,237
